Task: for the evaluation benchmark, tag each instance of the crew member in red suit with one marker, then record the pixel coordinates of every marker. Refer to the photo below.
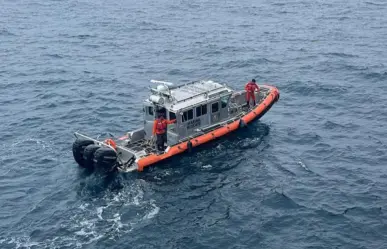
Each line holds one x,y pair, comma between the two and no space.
250,88
160,130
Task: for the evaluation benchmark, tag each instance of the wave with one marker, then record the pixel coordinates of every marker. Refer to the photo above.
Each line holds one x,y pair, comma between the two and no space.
340,126
341,55
55,56
310,88
97,218
381,76
377,3
6,32
280,199
248,63
80,36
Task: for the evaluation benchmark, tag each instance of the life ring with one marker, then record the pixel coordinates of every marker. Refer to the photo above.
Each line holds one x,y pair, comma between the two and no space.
111,143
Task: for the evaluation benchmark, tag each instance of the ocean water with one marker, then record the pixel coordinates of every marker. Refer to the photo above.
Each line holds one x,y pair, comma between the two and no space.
310,174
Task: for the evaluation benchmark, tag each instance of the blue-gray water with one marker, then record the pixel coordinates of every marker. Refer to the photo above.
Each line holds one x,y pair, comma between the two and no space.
310,174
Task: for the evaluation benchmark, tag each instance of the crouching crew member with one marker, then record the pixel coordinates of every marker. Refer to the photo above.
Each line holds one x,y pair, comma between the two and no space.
160,130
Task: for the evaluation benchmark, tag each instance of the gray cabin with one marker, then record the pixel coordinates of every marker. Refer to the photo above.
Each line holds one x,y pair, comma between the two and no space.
195,106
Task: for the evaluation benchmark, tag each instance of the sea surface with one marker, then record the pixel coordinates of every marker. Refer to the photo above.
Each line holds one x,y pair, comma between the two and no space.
310,174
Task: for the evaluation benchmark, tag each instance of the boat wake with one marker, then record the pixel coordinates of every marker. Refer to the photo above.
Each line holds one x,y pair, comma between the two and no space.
94,221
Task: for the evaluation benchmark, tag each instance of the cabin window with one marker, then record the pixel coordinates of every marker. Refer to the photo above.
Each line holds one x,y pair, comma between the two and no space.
172,115
215,107
201,110
187,115
224,101
150,110
161,110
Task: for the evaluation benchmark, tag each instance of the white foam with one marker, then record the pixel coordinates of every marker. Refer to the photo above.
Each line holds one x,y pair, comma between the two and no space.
83,206
22,242
155,210
303,165
99,212
97,219
87,223
117,224
117,198
138,197
82,232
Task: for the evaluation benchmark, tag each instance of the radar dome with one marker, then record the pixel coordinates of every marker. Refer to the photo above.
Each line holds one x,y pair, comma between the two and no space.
162,88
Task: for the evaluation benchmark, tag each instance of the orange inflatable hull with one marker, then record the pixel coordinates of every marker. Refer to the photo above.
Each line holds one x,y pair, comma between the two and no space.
255,113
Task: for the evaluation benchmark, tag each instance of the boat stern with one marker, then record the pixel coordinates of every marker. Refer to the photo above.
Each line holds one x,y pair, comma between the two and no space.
107,155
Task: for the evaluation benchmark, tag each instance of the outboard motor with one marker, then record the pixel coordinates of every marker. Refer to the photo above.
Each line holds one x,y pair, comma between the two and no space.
79,146
88,155
105,159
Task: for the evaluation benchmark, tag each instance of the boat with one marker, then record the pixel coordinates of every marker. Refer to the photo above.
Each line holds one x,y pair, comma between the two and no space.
203,111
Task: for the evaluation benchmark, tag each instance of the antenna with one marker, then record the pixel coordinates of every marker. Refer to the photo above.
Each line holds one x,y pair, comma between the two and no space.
162,82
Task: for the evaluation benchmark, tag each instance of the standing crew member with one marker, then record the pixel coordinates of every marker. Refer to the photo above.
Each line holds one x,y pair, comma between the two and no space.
160,129
250,88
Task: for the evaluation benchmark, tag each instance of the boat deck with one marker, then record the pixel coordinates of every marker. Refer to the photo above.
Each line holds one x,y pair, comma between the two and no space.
150,148
242,109
142,144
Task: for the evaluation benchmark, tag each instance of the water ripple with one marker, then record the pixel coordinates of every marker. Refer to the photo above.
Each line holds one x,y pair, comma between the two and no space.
309,174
